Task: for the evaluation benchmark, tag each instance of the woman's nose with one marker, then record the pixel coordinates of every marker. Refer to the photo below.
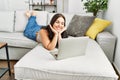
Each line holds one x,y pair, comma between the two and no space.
59,24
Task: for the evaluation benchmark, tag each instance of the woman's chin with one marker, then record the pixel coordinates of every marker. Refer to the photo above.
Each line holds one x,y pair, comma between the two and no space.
58,30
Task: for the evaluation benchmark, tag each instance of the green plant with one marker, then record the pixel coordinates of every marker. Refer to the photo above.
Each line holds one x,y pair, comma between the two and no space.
95,5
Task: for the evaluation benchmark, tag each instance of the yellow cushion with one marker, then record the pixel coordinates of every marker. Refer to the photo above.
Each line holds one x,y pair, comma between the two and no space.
97,26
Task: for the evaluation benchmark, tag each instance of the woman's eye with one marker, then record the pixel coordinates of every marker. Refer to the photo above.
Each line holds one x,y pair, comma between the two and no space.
57,22
60,23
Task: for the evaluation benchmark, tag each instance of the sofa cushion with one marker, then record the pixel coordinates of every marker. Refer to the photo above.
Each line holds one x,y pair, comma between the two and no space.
17,40
42,17
6,21
98,26
79,25
42,65
21,20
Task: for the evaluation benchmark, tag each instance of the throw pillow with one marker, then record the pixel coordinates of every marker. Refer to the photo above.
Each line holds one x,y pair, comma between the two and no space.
79,25
98,26
6,21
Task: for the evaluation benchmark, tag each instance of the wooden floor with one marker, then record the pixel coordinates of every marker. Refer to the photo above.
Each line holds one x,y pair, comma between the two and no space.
12,63
6,76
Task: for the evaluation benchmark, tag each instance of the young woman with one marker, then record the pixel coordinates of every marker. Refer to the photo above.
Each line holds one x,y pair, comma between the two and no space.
49,35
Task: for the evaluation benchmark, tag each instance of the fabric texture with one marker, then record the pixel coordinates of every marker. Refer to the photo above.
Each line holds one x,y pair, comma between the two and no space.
98,26
6,21
32,28
43,66
79,25
21,19
17,40
107,41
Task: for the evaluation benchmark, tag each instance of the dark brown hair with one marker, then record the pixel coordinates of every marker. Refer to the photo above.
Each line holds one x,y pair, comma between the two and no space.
55,17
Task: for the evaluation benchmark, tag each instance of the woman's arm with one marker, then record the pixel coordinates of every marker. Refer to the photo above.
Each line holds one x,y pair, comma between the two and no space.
46,41
60,34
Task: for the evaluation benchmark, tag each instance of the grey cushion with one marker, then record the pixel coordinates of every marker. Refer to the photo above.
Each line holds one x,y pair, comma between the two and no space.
79,25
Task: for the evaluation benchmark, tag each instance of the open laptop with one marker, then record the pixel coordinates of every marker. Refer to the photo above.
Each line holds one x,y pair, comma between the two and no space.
71,47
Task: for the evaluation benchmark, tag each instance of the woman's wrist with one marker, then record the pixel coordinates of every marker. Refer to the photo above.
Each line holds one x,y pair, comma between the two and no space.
56,35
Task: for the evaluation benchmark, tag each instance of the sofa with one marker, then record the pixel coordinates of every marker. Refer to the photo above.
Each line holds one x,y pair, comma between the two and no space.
36,63
12,25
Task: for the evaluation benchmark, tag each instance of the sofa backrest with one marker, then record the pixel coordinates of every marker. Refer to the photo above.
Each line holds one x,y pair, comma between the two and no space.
21,20
6,21
16,21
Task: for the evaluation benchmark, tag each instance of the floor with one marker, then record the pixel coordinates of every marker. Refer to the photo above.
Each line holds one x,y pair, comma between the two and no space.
12,63
6,76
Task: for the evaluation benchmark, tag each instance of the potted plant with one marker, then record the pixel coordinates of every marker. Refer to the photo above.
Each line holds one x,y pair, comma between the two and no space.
95,6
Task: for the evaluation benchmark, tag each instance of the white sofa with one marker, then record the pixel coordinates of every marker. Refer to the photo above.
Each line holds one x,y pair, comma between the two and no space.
36,63
12,25
39,64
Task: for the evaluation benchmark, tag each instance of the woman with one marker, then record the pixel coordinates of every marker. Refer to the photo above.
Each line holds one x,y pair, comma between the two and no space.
49,35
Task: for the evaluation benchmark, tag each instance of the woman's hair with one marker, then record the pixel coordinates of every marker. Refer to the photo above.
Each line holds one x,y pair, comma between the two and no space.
51,34
55,17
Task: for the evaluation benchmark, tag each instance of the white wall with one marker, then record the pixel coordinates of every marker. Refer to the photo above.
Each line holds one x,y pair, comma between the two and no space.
60,6
14,5
4,5
113,14
70,6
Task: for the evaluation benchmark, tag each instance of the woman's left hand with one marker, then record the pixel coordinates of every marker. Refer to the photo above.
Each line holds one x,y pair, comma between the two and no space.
53,30
62,30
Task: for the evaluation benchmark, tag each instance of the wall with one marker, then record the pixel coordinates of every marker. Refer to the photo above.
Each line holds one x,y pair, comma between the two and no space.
113,14
3,5
14,5
70,6
60,6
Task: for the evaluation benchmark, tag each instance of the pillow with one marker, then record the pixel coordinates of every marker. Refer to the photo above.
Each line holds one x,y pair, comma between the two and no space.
72,47
79,25
98,26
21,20
6,21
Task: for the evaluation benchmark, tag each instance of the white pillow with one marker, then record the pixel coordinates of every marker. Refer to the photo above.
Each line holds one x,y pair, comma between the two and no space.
6,21
71,47
42,17
21,19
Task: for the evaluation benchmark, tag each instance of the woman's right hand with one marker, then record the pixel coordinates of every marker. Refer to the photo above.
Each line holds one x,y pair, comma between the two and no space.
53,30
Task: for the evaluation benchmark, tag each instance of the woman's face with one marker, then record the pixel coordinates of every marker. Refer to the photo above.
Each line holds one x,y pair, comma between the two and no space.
59,24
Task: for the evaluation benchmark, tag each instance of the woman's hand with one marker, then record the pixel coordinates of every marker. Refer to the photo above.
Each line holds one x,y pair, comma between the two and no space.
62,30
54,31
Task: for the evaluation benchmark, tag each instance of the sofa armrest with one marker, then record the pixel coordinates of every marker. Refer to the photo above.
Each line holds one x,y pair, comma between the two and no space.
107,42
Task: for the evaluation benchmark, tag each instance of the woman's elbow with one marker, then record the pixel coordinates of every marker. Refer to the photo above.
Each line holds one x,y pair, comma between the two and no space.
49,48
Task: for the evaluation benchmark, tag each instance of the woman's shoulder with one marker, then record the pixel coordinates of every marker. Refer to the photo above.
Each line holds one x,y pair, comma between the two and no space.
43,31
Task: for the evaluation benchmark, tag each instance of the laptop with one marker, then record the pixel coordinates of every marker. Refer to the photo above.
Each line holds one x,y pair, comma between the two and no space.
71,47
